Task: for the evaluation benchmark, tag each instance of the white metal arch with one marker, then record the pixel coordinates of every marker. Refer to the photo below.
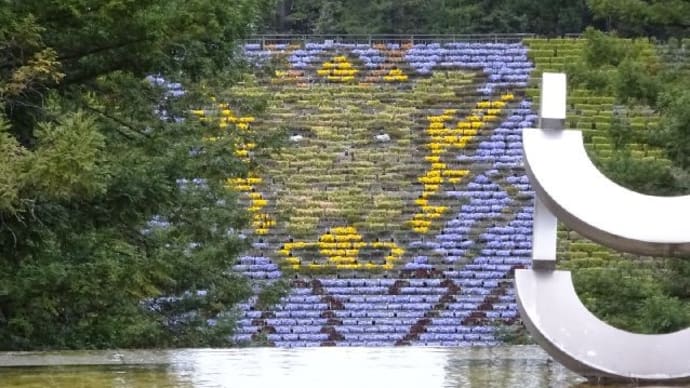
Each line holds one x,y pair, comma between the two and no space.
570,188
579,195
571,334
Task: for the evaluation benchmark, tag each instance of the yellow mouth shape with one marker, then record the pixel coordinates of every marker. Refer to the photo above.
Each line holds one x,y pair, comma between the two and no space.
341,247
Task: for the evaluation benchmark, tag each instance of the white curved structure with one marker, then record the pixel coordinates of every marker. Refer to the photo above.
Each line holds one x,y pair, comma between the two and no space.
571,189
569,184
572,335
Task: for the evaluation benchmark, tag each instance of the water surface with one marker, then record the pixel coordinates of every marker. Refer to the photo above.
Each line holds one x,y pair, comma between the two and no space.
395,367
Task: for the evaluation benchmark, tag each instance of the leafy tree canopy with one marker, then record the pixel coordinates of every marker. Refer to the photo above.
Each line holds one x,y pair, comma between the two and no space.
660,18
96,221
551,17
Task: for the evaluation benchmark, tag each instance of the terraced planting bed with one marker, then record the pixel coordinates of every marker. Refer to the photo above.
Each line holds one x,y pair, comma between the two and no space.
588,111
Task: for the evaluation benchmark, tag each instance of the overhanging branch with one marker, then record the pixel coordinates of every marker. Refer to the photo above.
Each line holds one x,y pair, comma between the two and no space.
118,121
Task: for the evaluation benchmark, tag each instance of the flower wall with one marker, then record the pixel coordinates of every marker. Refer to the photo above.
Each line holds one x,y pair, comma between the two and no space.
400,207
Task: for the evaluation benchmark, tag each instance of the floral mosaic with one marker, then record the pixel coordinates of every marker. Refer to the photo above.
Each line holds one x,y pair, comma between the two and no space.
400,208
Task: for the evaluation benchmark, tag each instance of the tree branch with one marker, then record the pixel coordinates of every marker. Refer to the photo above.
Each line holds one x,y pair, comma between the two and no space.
96,50
118,121
94,73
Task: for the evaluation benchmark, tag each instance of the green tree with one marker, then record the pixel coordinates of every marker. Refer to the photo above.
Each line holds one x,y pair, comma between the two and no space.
86,163
553,17
295,16
659,18
629,295
649,176
674,131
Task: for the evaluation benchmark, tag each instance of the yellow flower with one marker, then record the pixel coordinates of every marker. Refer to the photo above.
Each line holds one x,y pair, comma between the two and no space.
455,173
396,253
436,118
426,180
420,223
327,245
242,187
300,245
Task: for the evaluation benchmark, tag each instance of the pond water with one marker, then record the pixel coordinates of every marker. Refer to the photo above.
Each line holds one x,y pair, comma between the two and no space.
514,366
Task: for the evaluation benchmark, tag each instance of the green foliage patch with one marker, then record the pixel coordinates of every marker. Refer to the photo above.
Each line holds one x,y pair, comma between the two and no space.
87,163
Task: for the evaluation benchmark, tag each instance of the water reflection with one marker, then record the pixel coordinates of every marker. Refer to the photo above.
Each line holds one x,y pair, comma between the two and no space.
317,367
91,377
520,366
507,370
